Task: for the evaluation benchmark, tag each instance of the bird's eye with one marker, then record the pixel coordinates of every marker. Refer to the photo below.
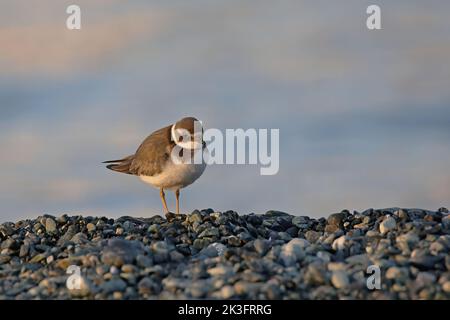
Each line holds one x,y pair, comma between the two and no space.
180,139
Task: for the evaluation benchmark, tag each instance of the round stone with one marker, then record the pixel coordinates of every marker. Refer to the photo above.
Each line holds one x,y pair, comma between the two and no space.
339,279
387,225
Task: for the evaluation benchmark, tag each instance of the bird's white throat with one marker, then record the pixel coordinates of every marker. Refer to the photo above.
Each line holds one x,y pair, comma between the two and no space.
187,142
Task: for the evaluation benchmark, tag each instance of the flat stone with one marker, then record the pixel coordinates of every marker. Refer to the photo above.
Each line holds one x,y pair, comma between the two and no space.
38,258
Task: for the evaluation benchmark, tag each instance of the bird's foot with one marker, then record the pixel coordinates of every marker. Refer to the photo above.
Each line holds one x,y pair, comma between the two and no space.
170,216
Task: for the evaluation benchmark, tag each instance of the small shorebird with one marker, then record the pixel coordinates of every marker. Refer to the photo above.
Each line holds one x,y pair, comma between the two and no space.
153,162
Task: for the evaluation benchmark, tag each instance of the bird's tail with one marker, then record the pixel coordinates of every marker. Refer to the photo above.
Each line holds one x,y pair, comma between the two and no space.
122,165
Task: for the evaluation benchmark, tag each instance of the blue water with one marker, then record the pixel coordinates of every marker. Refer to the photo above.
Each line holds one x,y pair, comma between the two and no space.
364,116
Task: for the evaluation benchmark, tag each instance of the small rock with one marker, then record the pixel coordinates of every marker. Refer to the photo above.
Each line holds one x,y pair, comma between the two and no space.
198,290
336,219
446,287
201,243
331,228
273,292
10,244
63,264
402,214
7,229
50,259
339,243
400,274
119,252
50,225
148,287
293,251
227,292
339,279
221,271
437,247
113,285
176,256
79,238
38,258
443,210
195,217
407,241
284,236
424,279
261,246
234,241
300,221
312,236
424,261
91,227
144,261
4,259
213,250
315,274
212,232
387,225
117,295
128,268
24,250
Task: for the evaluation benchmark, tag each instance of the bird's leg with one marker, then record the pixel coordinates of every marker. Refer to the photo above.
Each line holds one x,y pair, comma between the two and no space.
163,199
177,195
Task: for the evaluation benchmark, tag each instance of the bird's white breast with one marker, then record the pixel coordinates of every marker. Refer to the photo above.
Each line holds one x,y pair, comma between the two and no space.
175,176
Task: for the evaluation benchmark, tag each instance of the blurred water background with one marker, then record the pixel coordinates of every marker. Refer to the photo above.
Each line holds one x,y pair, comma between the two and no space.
364,116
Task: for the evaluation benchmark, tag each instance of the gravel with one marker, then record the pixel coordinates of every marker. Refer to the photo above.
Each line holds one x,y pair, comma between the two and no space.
224,255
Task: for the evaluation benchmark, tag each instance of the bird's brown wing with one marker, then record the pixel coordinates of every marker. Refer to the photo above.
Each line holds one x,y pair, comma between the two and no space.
153,153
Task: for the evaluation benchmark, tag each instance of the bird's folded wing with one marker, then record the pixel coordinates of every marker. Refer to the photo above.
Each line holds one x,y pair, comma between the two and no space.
153,153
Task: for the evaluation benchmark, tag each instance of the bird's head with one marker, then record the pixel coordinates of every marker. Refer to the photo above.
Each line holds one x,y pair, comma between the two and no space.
188,133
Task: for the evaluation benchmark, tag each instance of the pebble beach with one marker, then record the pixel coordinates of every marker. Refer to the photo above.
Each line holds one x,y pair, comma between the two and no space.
224,255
